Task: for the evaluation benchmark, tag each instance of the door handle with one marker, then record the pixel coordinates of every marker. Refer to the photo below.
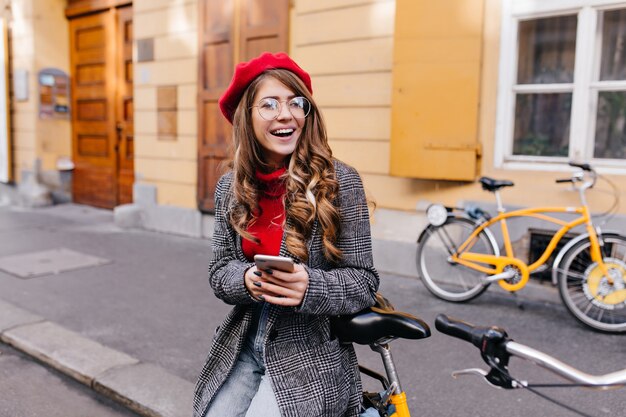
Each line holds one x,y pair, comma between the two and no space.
119,129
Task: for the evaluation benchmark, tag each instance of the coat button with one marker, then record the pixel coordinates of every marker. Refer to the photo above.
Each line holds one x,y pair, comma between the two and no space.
273,335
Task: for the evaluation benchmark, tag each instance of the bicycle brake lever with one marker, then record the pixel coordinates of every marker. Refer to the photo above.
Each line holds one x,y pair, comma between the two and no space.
469,371
477,372
493,378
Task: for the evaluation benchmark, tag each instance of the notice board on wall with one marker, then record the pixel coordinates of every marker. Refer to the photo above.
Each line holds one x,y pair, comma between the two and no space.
5,138
54,87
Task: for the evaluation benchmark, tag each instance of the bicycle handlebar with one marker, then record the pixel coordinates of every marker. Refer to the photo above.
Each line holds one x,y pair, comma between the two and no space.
466,331
496,348
566,371
587,176
584,167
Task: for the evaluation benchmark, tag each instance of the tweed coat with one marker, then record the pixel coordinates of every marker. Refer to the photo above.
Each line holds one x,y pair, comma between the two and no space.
311,373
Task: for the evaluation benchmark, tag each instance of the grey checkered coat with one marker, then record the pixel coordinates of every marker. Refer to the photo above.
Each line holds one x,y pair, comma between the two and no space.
311,373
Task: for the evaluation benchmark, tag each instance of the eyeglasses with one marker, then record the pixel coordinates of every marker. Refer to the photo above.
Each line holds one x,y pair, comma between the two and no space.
270,108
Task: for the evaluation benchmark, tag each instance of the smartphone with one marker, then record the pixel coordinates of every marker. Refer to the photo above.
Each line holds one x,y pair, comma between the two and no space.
281,263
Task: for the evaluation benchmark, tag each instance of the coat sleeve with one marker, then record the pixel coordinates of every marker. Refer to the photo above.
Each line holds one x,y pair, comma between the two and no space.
226,271
352,284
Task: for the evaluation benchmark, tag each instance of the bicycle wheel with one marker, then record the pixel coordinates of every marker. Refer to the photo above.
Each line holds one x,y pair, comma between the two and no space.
443,277
587,293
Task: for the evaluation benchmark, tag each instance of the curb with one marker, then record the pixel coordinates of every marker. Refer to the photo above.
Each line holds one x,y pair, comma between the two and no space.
144,388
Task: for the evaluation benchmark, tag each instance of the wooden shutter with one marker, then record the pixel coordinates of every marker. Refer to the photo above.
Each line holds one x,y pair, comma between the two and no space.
230,32
436,88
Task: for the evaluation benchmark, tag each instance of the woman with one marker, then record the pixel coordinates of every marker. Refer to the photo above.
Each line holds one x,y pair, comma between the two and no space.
274,354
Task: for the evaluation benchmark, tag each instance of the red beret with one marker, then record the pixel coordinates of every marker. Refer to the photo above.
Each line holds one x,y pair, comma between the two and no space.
246,72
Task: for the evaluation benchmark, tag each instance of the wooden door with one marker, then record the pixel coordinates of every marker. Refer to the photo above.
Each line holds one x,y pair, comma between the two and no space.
230,31
263,27
102,107
124,106
214,73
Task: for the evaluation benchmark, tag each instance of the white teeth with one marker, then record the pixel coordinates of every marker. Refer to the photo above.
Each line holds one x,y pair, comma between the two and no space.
282,131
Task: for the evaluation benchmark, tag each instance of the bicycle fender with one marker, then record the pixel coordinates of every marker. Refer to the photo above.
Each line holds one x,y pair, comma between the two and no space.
429,226
559,256
493,241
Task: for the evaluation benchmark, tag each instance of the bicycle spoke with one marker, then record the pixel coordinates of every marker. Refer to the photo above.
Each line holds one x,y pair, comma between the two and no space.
580,299
578,287
443,234
581,263
600,314
612,317
574,274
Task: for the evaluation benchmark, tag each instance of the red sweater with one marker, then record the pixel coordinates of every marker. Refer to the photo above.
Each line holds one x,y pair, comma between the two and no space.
268,227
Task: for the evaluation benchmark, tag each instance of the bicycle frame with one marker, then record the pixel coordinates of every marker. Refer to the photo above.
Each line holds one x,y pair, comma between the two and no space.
465,257
398,397
402,409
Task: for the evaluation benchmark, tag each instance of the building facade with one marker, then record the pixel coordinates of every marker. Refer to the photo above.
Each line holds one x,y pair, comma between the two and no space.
421,97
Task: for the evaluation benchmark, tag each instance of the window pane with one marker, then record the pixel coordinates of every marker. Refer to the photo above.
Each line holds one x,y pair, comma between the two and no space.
610,125
546,50
613,65
542,124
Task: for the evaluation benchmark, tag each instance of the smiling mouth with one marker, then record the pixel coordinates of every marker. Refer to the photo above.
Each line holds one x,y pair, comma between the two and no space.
282,133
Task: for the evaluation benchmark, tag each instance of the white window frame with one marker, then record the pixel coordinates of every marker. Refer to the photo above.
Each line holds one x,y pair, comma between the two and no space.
586,72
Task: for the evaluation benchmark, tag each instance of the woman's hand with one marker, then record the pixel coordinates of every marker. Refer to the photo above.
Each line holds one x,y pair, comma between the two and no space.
278,287
251,279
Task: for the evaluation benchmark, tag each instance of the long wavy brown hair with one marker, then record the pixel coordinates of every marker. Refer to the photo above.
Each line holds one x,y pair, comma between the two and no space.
310,176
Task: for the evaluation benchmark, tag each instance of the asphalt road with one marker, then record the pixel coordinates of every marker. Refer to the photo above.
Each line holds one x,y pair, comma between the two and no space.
152,301
29,389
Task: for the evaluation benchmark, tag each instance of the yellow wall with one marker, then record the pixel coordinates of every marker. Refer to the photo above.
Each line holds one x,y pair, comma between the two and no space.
24,113
532,187
39,39
355,50
350,58
54,137
170,165
346,46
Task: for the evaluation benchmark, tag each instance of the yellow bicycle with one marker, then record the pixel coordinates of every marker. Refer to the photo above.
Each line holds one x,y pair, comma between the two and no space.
458,256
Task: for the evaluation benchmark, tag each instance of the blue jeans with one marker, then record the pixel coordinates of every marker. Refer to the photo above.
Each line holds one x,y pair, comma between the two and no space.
247,392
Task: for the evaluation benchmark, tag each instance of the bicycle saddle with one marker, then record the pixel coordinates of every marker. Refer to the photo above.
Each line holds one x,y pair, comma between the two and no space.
492,185
376,323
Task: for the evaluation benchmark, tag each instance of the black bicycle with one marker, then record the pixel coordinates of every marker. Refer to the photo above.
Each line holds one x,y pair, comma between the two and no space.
379,325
